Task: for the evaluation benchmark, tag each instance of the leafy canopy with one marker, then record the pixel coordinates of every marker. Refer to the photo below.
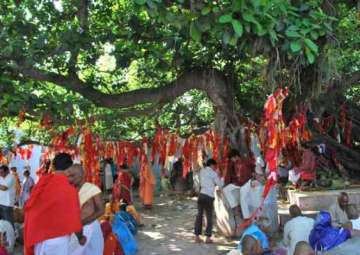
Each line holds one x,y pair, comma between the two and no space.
120,46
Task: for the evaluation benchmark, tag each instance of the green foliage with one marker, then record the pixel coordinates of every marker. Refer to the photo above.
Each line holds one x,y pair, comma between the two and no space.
277,21
126,45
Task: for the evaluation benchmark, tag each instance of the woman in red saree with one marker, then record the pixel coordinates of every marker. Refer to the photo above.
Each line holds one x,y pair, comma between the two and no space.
123,184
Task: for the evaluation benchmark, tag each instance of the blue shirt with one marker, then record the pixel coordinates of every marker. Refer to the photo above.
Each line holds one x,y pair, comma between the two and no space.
254,231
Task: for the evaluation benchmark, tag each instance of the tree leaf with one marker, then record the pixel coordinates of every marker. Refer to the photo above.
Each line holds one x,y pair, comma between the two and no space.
259,29
295,46
140,2
249,18
195,32
311,45
238,28
292,34
206,10
310,56
216,9
314,35
225,18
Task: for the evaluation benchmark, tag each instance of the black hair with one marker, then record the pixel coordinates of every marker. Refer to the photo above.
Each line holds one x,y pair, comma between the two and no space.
27,172
234,153
211,162
5,168
62,161
109,160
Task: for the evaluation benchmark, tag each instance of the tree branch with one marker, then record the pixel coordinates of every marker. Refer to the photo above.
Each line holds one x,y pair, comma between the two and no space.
210,81
83,14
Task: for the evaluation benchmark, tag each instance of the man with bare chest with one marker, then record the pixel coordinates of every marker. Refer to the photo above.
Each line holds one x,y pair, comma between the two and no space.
92,208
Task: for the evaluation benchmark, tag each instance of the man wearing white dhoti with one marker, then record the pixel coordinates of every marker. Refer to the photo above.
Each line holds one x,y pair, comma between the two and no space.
92,208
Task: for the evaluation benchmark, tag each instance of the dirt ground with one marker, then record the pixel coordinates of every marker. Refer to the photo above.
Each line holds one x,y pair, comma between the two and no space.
169,229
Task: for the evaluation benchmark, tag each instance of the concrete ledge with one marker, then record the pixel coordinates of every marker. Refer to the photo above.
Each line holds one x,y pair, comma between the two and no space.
320,200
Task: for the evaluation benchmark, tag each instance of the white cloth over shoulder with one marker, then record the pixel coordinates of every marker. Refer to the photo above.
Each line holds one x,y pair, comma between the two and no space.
296,230
87,191
94,241
232,195
54,246
250,197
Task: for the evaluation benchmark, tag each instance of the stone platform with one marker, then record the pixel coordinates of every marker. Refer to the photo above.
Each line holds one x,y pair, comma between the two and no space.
321,200
311,202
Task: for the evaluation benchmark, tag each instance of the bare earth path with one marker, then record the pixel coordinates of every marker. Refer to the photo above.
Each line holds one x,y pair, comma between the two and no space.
169,230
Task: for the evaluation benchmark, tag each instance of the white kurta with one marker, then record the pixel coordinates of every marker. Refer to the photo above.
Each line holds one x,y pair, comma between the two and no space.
296,230
54,246
94,241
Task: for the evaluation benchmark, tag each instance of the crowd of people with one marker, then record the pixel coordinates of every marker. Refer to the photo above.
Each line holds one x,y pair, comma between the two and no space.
13,194
242,188
63,214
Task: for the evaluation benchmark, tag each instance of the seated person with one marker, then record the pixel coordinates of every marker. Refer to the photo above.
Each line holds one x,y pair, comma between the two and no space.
304,174
251,246
303,248
111,243
297,229
308,167
255,231
338,210
324,237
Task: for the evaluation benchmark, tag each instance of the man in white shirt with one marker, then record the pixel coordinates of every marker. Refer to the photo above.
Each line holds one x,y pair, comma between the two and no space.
338,210
209,179
297,229
7,194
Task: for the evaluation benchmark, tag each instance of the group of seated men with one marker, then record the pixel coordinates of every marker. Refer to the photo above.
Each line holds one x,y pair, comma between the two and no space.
304,235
